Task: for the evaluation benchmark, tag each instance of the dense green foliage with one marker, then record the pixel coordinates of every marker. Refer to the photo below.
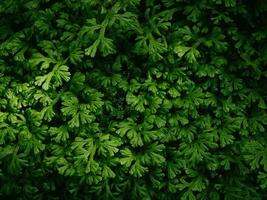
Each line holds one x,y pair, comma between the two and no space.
133,99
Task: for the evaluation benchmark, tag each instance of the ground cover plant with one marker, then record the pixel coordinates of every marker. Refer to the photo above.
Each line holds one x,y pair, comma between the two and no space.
133,99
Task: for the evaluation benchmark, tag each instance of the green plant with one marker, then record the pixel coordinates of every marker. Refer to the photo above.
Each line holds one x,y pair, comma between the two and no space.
133,99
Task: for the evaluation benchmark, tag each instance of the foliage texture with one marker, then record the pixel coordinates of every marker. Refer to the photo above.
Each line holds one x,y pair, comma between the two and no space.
133,99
